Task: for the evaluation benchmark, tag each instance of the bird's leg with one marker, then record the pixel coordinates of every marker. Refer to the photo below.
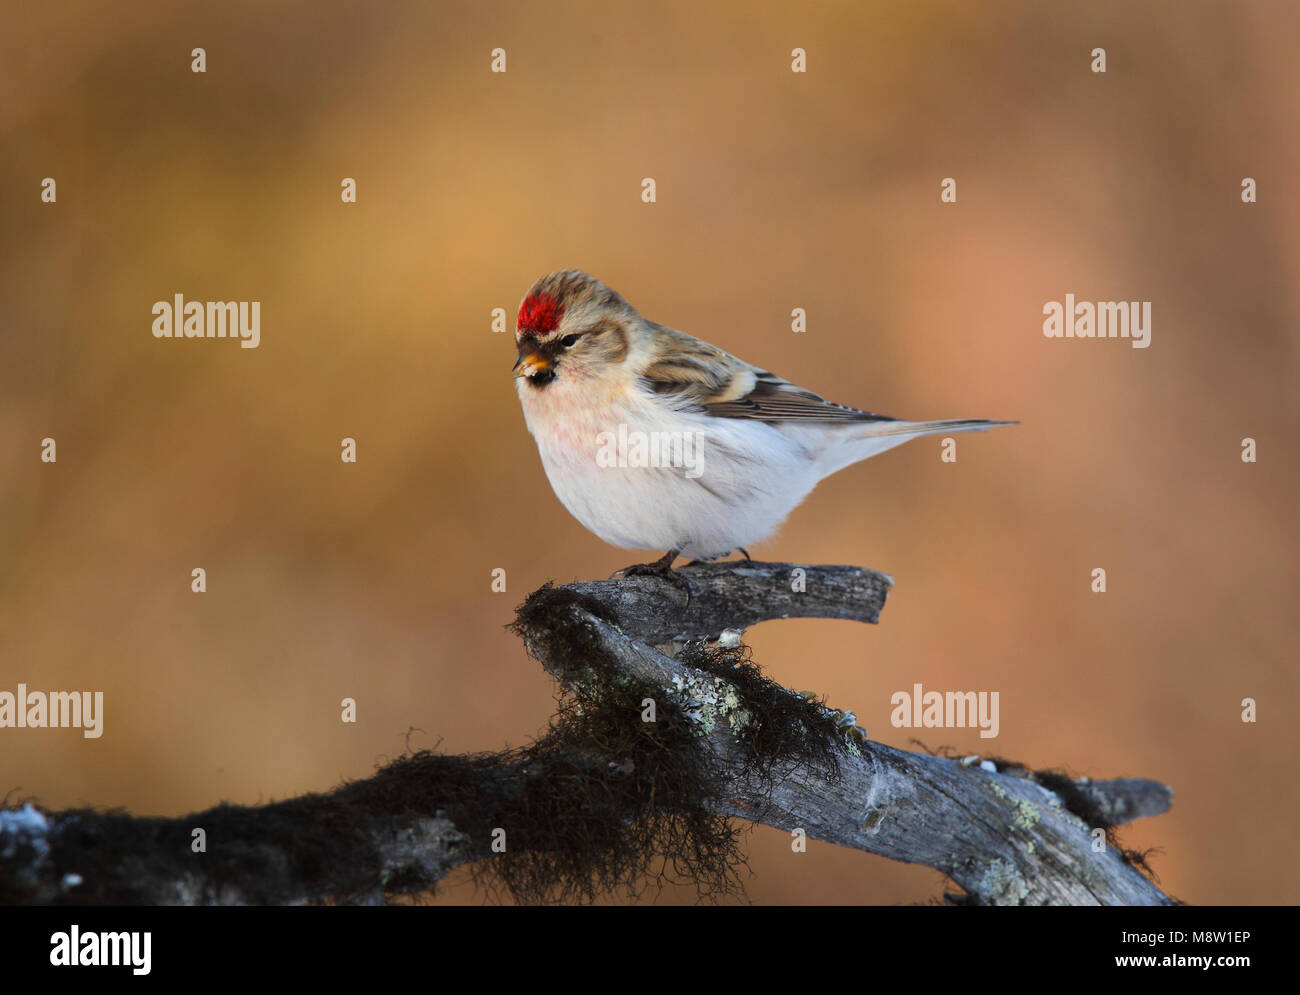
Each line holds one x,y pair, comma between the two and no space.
662,567
659,568
700,563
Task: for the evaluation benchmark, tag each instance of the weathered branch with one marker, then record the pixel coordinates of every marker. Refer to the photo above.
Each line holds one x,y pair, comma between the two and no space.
587,807
735,596
1003,836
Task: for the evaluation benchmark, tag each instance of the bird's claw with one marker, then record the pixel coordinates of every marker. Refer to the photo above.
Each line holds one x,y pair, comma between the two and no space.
662,568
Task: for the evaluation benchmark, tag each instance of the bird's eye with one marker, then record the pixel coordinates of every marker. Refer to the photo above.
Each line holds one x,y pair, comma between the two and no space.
569,341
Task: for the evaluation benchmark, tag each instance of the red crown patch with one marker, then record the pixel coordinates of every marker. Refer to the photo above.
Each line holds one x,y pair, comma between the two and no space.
540,313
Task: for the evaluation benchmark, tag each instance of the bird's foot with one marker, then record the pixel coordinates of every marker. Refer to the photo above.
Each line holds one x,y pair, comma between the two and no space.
700,563
662,567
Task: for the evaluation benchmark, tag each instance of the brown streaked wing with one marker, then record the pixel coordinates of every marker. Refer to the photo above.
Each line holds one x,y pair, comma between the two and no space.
693,368
774,399
727,387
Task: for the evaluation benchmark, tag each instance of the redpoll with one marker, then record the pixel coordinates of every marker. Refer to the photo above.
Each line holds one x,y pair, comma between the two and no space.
656,440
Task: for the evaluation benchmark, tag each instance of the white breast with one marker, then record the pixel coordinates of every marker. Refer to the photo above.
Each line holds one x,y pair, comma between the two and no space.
717,483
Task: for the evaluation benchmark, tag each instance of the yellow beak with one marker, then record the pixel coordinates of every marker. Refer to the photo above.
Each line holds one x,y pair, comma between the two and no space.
530,364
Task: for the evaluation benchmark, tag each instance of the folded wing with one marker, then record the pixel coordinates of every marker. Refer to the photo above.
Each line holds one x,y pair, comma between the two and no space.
727,387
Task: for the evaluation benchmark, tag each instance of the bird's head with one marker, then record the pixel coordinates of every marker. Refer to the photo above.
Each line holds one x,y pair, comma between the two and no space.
573,329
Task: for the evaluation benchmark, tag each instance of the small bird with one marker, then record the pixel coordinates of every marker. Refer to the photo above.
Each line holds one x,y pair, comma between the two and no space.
653,439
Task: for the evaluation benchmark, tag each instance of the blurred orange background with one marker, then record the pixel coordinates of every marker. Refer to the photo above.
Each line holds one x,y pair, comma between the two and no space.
776,190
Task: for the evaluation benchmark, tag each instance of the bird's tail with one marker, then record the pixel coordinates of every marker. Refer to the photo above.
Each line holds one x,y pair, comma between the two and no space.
913,429
876,437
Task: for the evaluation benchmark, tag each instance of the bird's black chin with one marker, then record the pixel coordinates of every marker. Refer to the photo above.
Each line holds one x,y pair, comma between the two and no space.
541,378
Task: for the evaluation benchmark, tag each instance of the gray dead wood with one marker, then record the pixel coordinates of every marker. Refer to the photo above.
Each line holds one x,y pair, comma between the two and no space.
737,595
1005,837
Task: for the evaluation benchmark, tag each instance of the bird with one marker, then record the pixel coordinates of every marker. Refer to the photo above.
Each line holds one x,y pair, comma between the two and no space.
656,440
